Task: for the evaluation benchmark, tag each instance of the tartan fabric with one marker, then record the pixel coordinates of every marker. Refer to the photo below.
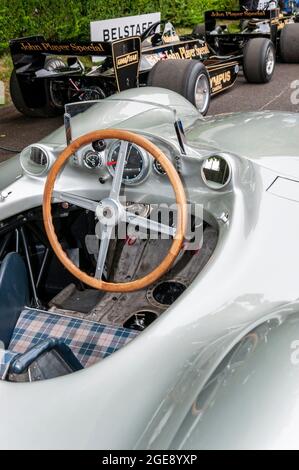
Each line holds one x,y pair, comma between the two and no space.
89,341
5,359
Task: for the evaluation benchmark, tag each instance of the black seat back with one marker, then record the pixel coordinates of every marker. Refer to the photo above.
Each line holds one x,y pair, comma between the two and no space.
14,294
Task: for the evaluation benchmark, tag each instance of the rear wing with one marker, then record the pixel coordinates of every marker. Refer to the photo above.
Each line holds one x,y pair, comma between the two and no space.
29,55
214,16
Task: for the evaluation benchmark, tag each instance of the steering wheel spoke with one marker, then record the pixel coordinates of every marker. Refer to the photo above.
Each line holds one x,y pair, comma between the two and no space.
79,201
119,170
148,224
103,251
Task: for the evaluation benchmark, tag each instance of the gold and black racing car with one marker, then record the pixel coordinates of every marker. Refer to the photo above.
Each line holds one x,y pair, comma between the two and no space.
249,29
49,74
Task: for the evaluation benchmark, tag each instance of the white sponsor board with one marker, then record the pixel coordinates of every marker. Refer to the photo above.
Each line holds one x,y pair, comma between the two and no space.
118,28
265,4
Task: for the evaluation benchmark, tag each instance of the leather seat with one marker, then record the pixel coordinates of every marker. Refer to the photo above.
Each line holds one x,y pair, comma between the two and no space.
14,294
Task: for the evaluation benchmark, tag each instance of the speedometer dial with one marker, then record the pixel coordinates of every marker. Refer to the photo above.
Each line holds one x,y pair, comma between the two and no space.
137,163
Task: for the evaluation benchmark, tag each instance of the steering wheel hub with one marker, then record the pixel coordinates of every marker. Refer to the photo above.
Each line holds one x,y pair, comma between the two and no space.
109,212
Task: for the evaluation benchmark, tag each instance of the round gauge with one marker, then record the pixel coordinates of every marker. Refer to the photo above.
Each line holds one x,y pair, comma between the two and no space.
159,168
92,160
137,163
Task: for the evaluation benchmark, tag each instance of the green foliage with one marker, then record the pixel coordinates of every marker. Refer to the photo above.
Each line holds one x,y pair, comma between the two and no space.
69,19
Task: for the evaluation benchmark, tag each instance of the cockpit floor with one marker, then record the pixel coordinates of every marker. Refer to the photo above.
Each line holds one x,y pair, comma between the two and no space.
74,299
136,260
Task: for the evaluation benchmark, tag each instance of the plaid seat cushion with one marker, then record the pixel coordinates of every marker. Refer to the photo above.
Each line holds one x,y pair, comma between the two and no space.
89,341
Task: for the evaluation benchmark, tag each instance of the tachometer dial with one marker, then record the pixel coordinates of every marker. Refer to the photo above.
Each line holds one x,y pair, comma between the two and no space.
137,163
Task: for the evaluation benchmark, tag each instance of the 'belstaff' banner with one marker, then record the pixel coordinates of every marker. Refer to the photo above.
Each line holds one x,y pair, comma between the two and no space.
119,28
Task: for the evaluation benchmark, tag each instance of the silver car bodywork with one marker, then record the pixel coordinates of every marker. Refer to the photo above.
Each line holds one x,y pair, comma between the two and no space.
143,395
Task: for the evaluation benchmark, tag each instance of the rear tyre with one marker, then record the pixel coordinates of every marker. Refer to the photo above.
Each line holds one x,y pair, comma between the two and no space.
18,100
289,43
259,60
189,78
51,108
199,30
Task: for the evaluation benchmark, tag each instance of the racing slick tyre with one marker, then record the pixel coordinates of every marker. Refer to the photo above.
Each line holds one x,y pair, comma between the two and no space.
189,78
289,43
259,60
18,100
50,109
199,30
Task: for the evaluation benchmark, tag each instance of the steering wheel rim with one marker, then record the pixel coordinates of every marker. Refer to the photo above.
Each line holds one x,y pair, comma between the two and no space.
180,197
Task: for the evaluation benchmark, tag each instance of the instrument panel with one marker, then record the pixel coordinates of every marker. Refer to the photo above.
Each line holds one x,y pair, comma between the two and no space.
102,156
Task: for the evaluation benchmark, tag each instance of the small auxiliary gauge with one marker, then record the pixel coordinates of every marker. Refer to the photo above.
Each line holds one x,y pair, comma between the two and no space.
158,168
92,160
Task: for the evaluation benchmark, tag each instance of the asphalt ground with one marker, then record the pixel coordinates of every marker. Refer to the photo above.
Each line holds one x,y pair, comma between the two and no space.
17,131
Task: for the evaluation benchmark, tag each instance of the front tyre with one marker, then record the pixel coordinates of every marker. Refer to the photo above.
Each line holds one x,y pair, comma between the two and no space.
189,78
259,60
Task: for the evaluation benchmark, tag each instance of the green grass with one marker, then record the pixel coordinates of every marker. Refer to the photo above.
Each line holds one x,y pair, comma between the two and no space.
5,71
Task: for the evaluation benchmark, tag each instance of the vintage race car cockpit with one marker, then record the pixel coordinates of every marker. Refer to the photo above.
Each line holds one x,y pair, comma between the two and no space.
125,203
109,222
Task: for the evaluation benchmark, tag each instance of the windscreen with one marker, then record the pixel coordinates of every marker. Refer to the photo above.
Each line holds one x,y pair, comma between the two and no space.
128,114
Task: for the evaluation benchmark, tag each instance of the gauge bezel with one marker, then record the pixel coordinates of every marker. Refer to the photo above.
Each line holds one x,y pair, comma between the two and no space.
93,152
145,168
45,169
206,181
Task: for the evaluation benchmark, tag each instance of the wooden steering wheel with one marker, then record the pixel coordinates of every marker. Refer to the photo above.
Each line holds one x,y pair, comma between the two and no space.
113,204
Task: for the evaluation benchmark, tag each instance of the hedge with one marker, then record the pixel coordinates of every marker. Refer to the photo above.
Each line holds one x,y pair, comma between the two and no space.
61,19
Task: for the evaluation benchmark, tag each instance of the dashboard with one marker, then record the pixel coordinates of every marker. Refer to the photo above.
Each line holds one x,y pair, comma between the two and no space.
102,156
99,158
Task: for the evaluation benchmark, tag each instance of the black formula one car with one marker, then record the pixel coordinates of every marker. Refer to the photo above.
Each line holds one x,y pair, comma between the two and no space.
42,82
234,32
